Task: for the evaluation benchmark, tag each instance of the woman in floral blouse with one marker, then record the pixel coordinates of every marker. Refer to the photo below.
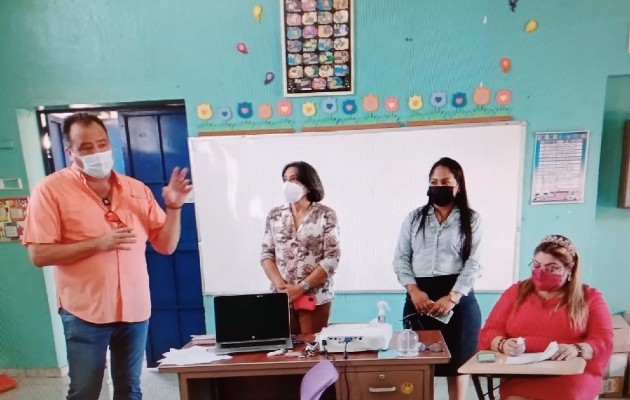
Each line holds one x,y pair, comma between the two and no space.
300,250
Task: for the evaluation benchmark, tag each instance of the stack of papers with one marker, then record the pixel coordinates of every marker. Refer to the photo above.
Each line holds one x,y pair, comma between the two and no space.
191,356
210,340
529,358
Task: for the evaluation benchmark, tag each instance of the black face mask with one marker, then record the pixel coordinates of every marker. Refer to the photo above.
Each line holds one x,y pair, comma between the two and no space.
440,195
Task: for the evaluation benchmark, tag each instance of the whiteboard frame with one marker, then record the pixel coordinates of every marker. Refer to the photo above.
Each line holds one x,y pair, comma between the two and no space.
517,238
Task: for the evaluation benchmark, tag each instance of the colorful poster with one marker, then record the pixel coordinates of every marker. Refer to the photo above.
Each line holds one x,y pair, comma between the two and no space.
559,167
317,47
12,216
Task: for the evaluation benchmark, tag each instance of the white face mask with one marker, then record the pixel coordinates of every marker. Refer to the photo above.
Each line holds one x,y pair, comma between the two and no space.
97,165
293,192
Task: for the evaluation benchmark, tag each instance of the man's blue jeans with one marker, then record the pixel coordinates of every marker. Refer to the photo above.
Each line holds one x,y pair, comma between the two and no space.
87,347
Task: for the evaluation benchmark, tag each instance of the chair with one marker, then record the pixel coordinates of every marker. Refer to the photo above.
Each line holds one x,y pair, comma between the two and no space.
317,379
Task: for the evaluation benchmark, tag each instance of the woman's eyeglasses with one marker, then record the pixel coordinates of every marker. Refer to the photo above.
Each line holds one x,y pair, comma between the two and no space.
112,217
433,347
553,267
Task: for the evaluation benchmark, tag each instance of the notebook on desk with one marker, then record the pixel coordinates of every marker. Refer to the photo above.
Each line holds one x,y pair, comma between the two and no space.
252,322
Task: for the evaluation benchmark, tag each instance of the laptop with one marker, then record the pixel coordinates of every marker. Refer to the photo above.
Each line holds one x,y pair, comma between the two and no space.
252,322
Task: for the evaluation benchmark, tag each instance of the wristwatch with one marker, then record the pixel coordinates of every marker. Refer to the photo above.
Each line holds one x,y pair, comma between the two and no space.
305,286
453,298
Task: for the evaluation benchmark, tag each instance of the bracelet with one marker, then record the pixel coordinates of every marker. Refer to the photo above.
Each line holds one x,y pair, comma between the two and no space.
579,349
501,343
174,208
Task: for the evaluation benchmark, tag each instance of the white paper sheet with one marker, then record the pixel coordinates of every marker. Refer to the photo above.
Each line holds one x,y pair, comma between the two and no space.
190,356
529,358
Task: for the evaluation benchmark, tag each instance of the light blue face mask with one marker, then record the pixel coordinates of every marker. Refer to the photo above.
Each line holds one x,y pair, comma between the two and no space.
97,165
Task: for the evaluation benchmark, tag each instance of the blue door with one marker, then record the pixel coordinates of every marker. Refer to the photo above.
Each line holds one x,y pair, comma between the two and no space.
153,143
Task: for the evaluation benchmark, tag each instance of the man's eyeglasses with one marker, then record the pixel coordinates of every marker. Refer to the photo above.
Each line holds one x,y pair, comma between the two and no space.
111,216
553,267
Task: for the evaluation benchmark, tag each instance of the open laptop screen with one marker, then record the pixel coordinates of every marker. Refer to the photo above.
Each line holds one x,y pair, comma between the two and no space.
242,318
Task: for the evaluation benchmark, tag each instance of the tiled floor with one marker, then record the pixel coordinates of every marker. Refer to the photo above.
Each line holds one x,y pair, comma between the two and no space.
155,386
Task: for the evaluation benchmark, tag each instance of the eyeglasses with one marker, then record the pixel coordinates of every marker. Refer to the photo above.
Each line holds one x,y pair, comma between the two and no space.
111,216
433,347
553,267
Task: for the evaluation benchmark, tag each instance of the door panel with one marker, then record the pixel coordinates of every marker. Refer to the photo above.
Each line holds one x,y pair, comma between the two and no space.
162,280
174,146
187,279
145,149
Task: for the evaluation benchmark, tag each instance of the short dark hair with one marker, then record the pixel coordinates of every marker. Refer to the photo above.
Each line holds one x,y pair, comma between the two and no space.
80,118
307,176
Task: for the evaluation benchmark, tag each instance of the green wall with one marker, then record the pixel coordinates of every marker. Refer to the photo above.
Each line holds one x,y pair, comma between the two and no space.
612,223
66,52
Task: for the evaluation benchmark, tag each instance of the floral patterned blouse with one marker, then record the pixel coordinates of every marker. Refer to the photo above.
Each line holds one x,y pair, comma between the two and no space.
297,252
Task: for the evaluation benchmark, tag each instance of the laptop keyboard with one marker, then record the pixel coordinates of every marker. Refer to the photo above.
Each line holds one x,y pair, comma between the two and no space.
279,342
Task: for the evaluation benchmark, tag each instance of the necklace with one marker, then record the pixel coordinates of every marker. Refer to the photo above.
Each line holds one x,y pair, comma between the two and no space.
548,296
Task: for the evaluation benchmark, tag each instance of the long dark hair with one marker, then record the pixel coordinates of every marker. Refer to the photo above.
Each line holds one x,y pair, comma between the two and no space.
461,202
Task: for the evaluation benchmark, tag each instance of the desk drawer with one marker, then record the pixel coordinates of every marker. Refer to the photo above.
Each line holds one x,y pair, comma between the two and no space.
385,385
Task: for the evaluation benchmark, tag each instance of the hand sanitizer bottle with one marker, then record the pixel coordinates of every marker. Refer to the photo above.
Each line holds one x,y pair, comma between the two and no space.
382,305
408,343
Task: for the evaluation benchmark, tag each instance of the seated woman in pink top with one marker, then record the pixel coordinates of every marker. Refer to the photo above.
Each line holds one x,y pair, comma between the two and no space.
552,305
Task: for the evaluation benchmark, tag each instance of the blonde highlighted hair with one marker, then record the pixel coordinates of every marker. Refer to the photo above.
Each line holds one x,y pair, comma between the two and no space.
564,251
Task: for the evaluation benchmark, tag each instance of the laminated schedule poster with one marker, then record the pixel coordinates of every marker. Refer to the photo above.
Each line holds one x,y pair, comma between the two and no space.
559,167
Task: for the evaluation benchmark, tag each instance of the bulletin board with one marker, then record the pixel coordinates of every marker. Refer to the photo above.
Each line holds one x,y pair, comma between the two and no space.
12,216
317,47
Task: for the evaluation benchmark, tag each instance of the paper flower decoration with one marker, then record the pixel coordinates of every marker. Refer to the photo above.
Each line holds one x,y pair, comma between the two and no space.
245,110
204,111
265,111
257,11
481,96
329,105
391,104
504,97
438,99
225,113
459,100
285,108
349,107
309,109
370,103
269,77
242,48
531,26
415,102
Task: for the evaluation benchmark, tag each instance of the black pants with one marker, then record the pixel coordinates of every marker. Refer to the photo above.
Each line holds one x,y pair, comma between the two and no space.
461,333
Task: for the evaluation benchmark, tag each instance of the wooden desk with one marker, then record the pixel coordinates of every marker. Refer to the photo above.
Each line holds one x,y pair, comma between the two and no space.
499,369
256,376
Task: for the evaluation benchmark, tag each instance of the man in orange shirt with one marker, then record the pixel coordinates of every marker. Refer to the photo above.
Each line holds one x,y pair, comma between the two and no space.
92,224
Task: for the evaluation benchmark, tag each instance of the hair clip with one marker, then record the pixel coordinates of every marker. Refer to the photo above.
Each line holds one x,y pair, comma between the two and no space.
560,241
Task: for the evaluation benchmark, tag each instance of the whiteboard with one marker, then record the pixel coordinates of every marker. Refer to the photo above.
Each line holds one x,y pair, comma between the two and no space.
372,179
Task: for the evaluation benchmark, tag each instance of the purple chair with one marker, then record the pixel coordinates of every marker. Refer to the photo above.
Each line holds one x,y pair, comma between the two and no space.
317,379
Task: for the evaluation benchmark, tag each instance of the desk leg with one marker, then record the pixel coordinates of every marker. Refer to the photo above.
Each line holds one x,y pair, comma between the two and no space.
183,387
475,379
490,387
